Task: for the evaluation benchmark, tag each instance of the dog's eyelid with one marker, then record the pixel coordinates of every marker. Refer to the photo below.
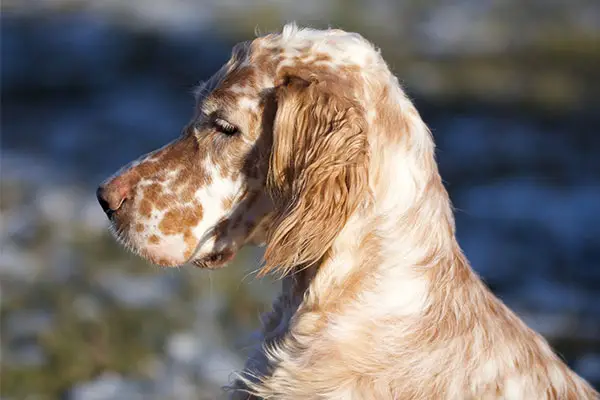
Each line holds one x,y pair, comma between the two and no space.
224,125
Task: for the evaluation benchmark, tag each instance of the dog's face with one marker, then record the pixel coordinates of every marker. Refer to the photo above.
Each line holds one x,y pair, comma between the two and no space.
241,168
200,197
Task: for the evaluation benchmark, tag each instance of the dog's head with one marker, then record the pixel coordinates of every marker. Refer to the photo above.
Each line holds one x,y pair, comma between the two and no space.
276,152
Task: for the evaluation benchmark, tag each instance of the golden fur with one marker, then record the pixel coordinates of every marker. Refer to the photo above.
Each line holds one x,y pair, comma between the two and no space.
331,166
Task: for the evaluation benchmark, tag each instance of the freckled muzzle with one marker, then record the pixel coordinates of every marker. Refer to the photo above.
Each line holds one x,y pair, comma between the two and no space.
152,204
172,207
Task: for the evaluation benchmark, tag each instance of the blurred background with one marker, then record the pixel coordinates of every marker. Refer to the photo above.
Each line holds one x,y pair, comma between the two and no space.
510,88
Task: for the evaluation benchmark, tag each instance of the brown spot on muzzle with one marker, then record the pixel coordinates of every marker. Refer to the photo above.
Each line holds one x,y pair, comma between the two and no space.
182,220
155,194
145,208
154,239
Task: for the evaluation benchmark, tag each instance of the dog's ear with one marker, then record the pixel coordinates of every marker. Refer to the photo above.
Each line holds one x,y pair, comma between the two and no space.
317,173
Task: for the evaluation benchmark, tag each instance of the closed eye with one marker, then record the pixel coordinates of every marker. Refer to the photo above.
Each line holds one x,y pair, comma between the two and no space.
225,127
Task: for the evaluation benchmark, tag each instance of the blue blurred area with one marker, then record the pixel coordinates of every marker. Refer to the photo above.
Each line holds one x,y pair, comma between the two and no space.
87,88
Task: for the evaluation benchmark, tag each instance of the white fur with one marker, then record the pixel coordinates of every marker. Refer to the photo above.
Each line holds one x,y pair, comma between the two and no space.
392,310
420,324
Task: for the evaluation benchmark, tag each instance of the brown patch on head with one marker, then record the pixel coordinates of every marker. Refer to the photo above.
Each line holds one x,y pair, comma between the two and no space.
186,194
164,201
154,239
145,208
323,57
171,223
154,193
180,219
139,228
144,169
265,59
188,181
243,77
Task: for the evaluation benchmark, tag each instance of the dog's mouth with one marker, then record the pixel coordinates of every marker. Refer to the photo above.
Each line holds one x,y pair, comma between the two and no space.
214,260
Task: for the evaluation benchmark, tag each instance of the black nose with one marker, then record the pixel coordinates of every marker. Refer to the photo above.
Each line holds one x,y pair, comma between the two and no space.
111,196
102,197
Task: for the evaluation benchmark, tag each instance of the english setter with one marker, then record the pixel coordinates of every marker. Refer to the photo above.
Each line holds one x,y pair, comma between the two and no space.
305,142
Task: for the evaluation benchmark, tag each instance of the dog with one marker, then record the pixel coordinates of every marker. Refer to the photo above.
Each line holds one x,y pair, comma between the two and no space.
305,142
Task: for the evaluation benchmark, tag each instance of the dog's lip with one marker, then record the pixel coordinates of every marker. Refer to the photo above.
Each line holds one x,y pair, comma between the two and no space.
214,260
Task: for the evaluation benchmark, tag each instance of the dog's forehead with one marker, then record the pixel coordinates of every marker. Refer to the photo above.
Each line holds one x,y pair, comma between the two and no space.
252,67
261,64
234,85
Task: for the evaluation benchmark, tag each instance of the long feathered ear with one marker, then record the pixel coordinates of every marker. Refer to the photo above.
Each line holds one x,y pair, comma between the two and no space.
317,173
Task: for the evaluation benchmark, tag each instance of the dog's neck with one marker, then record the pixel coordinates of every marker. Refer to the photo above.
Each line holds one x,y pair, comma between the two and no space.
392,248
385,261
402,235
389,257
393,303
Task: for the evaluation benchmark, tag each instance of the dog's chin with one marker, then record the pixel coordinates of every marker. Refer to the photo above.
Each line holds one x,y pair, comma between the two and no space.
163,256
214,260
162,260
